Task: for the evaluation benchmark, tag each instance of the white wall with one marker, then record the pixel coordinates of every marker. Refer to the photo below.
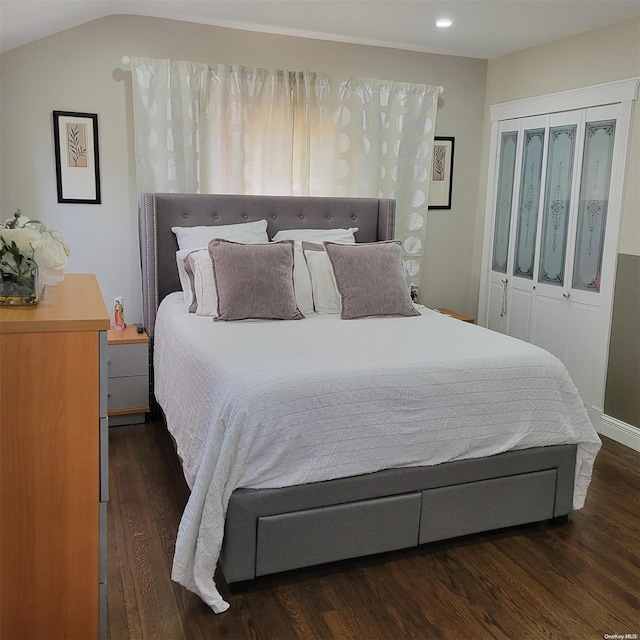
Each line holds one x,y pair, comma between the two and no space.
80,70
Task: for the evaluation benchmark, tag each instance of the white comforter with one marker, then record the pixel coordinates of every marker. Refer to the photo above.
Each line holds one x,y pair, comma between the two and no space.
270,404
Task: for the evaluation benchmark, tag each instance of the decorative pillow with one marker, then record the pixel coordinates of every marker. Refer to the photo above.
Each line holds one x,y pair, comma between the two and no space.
199,237
254,281
317,235
370,279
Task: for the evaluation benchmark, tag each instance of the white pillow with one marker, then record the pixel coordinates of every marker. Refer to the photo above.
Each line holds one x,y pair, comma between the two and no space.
317,235
325,294
185,279
204,284
198,237
301,280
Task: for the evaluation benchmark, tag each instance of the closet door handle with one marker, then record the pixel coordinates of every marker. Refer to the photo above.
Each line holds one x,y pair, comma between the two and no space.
566,294
503,310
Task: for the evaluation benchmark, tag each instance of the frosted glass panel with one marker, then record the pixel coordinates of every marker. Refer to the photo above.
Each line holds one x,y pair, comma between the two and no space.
557,200
529,203
504,200
593,204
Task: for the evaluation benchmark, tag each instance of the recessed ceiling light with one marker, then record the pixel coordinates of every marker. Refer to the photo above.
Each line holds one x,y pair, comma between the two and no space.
443,23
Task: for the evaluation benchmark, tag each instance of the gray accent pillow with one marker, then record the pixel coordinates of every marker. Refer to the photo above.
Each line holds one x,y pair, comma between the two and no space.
370,279
254,281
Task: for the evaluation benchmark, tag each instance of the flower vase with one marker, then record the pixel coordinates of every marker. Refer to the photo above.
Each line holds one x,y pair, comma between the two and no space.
20,289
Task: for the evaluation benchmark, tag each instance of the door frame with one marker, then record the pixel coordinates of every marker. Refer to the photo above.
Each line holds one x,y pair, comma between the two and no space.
622,92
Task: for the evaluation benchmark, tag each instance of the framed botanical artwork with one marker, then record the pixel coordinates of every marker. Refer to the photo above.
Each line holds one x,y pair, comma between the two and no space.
441,186
77,159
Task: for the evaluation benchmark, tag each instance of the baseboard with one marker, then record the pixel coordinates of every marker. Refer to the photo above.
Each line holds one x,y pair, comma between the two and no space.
620,432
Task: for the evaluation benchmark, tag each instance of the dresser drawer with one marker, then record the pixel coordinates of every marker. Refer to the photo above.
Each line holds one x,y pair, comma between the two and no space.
128,360
128,393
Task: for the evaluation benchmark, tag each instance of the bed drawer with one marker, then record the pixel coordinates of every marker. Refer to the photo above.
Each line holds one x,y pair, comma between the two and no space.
486,505
128,393
315,536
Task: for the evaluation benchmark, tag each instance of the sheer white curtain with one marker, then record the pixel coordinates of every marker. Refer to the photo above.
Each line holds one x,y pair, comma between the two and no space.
231,129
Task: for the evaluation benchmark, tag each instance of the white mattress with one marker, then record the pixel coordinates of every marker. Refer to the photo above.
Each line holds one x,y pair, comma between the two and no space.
269,404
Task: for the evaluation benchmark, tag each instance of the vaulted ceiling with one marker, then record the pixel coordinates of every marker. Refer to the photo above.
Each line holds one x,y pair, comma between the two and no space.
481,28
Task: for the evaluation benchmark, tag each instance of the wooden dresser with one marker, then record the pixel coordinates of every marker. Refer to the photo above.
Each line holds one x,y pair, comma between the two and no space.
53,464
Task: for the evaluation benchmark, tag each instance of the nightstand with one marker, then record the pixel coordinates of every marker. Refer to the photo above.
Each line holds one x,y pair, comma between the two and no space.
128,371
456,315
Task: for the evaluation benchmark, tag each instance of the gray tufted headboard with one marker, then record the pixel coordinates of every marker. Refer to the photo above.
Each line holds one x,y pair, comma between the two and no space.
160,211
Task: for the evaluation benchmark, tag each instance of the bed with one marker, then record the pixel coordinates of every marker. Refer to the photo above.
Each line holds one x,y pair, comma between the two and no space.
310,441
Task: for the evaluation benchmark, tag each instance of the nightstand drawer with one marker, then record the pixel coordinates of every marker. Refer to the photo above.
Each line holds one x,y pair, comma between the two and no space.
128,360
128,393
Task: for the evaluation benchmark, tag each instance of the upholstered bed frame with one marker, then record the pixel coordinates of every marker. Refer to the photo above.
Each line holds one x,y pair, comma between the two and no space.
273,530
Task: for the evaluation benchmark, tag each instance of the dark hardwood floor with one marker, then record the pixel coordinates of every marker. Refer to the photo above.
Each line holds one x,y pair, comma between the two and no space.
578,581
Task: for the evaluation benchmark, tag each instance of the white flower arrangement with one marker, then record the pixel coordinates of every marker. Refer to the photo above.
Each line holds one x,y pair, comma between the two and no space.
25,244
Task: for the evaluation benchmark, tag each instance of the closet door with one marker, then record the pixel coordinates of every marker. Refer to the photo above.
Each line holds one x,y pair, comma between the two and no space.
553,243
524,255
549,323
509,154
593,252
520,183
568,310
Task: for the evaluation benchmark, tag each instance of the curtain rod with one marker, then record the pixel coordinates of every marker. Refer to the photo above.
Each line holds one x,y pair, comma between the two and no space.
126,61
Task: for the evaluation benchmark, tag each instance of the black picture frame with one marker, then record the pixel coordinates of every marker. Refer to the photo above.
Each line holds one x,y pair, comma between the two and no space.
77,156
441,187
